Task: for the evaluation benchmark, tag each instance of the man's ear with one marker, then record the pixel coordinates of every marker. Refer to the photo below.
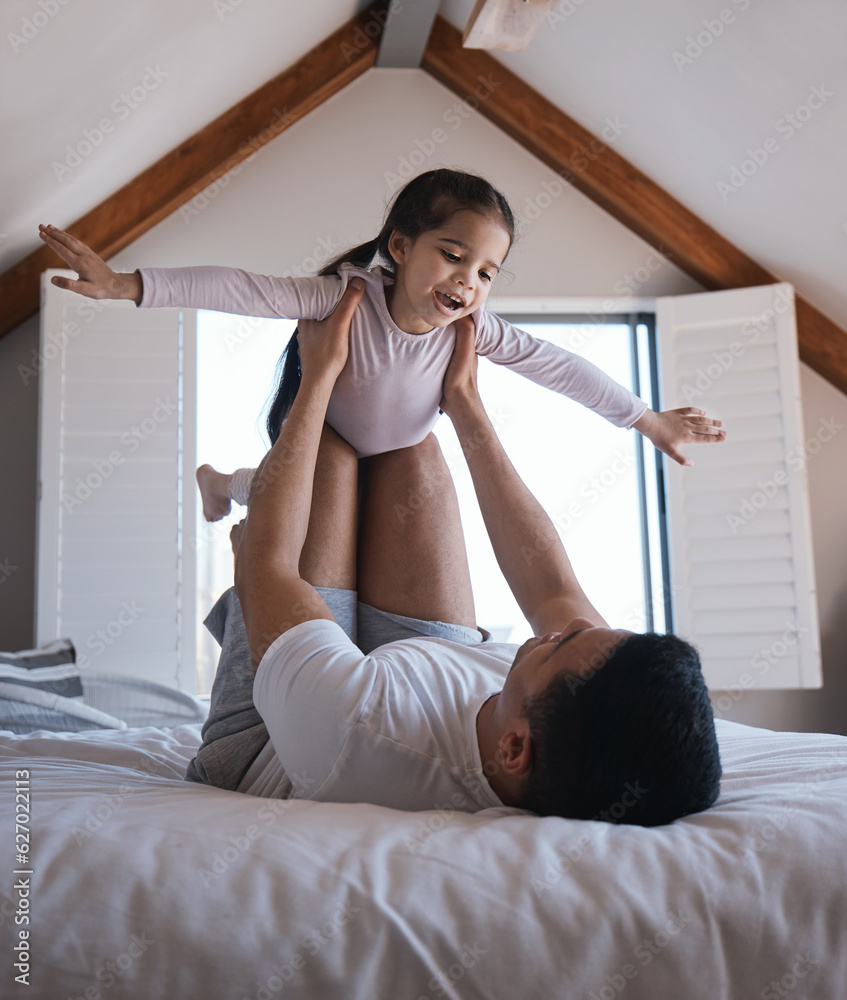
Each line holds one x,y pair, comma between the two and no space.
515,753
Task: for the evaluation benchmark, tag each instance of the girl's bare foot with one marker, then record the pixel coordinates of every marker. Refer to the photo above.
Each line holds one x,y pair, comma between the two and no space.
214,489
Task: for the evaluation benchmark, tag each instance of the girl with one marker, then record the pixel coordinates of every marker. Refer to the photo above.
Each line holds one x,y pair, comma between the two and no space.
444,241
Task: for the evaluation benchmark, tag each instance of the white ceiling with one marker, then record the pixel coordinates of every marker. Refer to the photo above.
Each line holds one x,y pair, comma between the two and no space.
596,60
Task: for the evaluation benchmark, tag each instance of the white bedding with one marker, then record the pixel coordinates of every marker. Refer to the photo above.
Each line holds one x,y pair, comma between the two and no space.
145,886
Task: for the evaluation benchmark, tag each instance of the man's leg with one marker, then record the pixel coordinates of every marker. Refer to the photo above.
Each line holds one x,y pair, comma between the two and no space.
412,558
234,732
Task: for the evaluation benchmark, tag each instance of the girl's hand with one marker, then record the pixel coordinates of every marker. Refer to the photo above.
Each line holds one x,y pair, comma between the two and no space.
96,279
672,428
324,344
460,378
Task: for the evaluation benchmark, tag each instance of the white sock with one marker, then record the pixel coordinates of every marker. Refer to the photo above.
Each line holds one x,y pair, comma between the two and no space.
239,485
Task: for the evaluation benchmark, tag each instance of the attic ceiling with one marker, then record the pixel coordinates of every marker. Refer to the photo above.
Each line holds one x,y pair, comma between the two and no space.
740,116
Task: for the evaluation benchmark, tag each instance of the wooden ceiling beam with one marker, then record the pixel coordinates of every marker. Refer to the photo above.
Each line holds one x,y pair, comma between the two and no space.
588,163
186,171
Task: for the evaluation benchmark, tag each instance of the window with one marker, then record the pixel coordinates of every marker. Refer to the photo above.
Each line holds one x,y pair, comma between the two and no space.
594,480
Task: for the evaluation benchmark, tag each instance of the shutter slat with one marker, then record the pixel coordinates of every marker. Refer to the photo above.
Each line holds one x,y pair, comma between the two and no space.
719,338
748,621
722,549
754,571
717,364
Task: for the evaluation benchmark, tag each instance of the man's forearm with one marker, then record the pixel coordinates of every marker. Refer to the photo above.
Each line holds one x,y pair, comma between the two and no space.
525,541
281,497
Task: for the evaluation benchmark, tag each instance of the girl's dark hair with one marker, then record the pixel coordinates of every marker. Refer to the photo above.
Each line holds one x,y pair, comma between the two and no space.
424,204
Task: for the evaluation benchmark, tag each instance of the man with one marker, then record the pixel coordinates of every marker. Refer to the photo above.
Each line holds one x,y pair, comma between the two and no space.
581,721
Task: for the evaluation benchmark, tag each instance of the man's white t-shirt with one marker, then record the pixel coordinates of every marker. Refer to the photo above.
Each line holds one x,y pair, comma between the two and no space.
395,728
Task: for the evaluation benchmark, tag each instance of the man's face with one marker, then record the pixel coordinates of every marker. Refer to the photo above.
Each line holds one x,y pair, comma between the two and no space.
580,649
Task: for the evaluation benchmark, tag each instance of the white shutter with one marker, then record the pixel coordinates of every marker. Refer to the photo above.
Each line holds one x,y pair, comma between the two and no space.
116,522
742,577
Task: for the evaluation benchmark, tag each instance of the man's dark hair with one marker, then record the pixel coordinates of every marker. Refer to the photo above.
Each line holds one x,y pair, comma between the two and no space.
630,741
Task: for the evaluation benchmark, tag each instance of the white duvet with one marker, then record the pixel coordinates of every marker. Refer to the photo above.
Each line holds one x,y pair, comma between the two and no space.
145,886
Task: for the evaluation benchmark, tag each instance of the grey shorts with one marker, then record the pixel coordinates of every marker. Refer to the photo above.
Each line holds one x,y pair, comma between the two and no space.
234,733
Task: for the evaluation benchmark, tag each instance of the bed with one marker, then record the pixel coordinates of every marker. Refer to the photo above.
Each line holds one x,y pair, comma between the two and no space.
145,886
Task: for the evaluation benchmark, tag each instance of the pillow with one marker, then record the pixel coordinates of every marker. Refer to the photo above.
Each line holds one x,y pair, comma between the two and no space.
51,668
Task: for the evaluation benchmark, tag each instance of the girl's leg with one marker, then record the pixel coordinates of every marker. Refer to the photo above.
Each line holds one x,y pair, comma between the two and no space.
328,558
412,558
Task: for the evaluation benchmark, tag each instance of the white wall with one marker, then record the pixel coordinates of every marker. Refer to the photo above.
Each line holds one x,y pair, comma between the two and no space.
323,186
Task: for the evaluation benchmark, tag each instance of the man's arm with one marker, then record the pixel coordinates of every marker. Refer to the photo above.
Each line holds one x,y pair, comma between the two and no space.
273,596
526,544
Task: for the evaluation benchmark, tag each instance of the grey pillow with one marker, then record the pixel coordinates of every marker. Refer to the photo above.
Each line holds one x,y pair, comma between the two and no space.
51,668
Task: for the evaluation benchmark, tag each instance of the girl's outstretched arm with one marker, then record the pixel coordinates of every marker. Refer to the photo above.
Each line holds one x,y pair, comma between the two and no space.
578,379
96,279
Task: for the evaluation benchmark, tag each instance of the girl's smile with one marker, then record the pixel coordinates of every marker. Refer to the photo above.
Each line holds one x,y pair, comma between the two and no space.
445,273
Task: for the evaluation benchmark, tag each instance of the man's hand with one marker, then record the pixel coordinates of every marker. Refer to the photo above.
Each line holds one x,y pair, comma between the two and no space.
324,344
460,384
96,279
672,428
235,535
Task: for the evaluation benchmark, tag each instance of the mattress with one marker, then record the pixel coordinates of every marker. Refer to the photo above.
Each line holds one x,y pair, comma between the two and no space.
137,884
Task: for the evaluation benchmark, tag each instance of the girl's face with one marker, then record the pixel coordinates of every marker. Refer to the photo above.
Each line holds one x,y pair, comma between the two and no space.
445,273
